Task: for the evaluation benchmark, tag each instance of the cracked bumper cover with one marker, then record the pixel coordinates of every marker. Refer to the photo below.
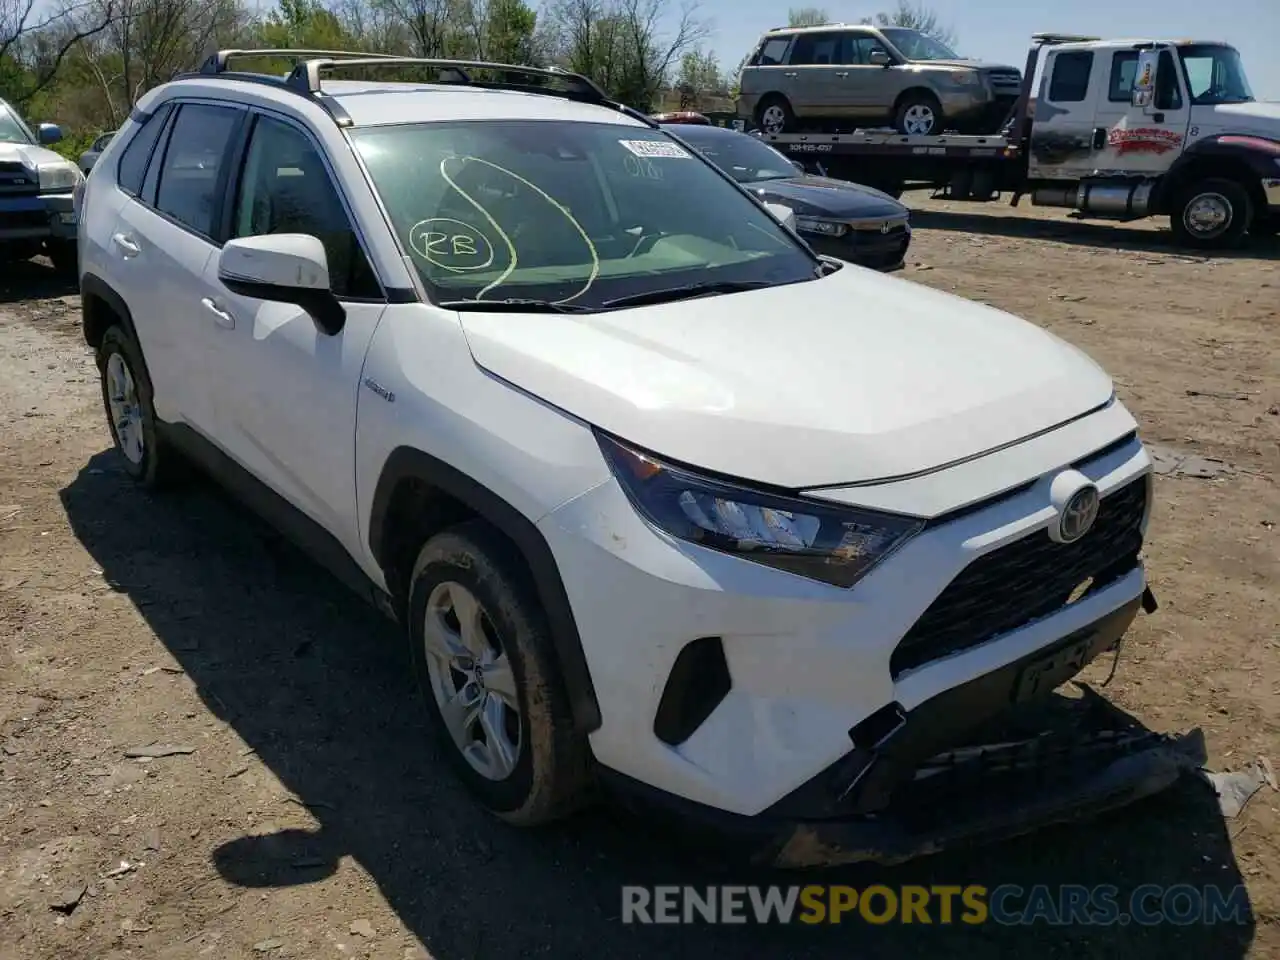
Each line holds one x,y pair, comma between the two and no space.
986,761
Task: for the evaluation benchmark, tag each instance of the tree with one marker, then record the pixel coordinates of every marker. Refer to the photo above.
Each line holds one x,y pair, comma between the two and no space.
807,17
917,17
32,49
699,77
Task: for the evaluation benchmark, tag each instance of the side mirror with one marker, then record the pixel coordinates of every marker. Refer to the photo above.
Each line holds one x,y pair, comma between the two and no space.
879,58
286,268
783,213
1144,81
48,133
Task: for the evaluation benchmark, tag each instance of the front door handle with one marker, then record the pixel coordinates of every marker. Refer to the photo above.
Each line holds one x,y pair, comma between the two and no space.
791,74
843,73
220,316
125,245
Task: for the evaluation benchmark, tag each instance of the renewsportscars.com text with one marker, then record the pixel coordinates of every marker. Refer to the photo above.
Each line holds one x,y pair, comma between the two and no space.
971,904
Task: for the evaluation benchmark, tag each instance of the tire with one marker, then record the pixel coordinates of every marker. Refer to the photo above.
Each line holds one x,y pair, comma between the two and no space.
545,775
774,115
1211,214
154,464
65,255
913,109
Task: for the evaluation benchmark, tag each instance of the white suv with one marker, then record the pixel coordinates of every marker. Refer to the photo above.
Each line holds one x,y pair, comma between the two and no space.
663,500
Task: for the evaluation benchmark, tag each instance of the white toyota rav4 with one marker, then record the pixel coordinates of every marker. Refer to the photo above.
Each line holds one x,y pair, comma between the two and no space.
663,500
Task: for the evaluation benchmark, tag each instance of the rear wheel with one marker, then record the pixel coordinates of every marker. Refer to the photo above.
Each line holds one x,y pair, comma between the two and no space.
1211,214
774,115
131,417
918,115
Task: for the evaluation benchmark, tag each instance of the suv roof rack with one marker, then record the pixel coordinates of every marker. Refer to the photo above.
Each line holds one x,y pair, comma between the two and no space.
305,77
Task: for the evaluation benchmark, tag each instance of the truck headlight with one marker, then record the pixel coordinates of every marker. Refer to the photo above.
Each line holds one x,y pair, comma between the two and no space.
836,545
58,177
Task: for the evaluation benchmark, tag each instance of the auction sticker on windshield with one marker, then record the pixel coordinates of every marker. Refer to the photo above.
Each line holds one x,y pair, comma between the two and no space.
656,148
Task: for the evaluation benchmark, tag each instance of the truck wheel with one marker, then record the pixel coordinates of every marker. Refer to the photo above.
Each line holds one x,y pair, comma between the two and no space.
918,115
774,115
482,655
1211,214
131,417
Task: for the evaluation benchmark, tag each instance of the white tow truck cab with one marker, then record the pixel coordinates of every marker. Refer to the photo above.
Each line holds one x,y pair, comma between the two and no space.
1118,129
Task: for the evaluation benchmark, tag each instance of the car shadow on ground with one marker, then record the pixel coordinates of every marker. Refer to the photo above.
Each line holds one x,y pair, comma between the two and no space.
1086,233
316,683
36,279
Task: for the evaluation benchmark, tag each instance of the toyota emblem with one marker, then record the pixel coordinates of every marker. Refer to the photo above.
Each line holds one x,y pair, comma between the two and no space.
1079,514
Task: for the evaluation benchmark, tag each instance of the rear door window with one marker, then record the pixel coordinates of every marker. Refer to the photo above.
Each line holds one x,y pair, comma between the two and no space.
818,49
1070,82
193,159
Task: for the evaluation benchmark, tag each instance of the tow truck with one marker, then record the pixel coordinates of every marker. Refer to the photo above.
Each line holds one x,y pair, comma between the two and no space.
1118,130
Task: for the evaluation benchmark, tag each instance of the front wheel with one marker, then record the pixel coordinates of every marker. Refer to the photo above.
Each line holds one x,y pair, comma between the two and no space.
918,115
482,655
1211,214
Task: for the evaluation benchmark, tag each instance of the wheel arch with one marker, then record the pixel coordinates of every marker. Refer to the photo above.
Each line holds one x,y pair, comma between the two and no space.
915,90
1225,156
418,495
101,307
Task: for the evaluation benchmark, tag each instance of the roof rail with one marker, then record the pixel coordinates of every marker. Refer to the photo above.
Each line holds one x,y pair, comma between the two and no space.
221,61
306,75
1054,38
304,79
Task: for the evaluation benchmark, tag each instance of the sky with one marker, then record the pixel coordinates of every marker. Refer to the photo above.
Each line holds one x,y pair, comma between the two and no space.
1001,30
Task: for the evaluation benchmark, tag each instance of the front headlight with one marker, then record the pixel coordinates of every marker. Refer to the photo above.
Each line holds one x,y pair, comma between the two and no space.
56,177
836,545
965,78
828,228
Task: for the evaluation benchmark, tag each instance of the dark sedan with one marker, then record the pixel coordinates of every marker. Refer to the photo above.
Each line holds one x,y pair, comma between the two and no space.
838,218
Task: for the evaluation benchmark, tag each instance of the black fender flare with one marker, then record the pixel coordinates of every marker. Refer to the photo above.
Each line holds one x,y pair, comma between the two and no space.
1242,152
408,463
91,286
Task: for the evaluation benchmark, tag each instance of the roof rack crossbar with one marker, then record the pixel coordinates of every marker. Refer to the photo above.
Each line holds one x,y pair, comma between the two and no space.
221,61
306,75
1055,38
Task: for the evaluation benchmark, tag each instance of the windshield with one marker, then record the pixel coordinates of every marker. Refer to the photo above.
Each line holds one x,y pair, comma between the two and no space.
744,158
573,213
12,129
1215,74
914,45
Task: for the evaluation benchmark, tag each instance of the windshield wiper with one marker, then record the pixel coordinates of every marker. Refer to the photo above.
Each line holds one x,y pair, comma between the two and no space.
686,292
516,305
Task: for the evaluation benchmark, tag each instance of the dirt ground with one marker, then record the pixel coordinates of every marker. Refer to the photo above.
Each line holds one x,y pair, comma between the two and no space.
310,818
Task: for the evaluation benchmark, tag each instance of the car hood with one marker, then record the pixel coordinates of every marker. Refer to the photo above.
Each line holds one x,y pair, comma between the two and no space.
29,154
820,196
1256,117
971,64
853,377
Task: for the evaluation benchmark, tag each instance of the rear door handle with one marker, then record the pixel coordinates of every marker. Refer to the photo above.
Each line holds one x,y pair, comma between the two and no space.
125,245
791,74
220,316
1099,137
843,73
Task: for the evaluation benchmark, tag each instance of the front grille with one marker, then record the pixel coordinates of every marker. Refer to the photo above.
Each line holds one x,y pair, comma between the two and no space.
1023,581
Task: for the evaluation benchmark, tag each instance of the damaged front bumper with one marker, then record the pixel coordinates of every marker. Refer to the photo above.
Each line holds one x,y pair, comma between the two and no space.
992,759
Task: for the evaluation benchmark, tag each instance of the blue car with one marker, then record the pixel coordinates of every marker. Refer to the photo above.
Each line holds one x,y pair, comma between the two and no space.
841,219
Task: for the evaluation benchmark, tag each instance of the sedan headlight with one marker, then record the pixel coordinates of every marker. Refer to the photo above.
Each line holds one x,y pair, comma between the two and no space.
828,228
56,177
836,545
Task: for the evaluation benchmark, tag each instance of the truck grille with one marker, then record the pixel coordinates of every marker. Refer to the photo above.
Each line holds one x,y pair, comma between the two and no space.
1005,81
16,179
1023,581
